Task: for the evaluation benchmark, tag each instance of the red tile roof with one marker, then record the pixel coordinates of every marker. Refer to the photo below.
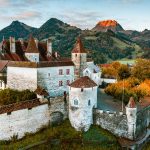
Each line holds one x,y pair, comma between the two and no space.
83,82
78,48
23,46
41,91
3,64
32,48
131,103
20,105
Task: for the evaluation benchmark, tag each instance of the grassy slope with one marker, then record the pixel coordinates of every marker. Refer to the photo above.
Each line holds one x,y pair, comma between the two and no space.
66,132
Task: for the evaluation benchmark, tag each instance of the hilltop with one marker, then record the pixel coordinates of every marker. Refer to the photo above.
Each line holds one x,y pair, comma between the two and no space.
103,47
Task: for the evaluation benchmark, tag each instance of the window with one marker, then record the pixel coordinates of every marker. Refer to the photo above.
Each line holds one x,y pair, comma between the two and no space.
49,74
67,71
89,102
60,71
68,82
29,108
75,102
76,55
9,113
81,89
60,83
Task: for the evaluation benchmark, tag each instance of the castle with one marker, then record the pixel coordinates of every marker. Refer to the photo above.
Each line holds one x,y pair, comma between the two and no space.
33,65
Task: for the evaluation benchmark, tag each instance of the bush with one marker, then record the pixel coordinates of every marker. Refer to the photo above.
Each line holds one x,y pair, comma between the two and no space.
9,96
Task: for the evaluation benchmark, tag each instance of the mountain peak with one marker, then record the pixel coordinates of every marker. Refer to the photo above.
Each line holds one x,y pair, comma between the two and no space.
108,23
105,25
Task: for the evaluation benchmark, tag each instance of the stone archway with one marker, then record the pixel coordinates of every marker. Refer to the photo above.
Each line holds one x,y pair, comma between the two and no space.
56,117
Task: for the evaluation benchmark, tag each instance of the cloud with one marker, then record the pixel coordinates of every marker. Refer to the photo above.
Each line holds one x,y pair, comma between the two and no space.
22,16
81,19
4,3
27,15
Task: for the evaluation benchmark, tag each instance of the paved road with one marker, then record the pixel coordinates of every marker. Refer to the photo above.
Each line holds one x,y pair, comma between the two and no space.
106,102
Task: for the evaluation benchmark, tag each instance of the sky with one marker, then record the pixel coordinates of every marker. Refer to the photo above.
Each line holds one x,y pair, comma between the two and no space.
131,14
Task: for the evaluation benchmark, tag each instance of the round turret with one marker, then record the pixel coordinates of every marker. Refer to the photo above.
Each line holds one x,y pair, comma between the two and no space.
82,100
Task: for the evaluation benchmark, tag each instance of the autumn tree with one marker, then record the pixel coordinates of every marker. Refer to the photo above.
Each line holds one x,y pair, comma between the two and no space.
141,70
124,72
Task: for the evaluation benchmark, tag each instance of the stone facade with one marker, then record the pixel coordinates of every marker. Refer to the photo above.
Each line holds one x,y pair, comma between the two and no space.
113,122
93,72
123,125
79,59
81,104
21,78
49,78
30,120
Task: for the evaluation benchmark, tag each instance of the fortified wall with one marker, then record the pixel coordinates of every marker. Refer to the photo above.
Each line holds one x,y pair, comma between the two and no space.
30,116
118,124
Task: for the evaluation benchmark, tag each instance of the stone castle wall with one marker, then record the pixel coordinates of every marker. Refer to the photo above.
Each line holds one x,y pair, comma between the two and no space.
113,122
31,120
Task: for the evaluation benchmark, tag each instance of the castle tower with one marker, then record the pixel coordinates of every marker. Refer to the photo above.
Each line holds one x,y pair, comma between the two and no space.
79,57
49,47
131,112
32,52
82,100
12,45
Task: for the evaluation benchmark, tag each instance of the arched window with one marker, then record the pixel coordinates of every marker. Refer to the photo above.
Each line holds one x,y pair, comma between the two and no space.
89,102
75,102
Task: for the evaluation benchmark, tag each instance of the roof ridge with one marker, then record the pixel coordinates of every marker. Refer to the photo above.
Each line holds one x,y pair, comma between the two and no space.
78,47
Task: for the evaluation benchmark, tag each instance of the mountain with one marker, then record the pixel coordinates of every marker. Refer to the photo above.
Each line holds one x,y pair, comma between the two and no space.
106,25
103,47
16,29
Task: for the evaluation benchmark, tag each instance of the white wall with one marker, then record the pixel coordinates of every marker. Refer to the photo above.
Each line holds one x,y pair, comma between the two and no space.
51,83
108,80
81,115
96,77
21,78
23,121
30,120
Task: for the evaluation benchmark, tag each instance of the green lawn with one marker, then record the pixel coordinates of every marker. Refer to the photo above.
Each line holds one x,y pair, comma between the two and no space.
66,138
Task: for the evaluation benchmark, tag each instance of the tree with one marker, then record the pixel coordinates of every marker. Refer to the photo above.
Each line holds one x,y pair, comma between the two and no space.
141,70
123,72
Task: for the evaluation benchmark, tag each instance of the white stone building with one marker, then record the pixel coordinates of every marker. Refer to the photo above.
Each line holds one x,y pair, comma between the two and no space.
93,72
50,71
82,100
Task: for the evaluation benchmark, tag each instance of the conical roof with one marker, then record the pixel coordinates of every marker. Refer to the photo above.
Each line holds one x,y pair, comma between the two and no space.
32,48
131,103
83,82
78,48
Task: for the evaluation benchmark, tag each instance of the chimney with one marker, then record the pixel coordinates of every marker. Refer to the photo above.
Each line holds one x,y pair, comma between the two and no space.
12,45
49,46
56,54
21,41
36,42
